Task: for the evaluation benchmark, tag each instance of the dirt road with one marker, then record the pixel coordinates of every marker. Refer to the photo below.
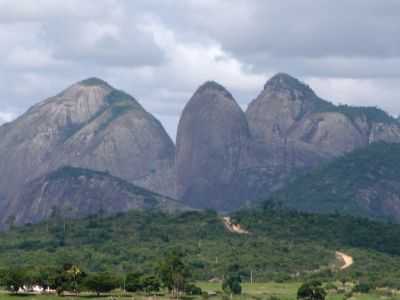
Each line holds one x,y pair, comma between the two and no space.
234,228
346,259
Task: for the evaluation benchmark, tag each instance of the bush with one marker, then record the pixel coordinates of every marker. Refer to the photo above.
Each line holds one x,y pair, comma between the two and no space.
311,291
101,283
133,282
331,286
362,287
191,289
231,285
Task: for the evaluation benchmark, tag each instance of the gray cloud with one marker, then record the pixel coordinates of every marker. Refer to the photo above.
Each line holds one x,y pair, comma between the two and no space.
160,51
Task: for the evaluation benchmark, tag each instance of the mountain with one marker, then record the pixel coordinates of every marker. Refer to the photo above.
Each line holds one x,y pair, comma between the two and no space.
211,142
90,125
227,159
364,183
293,130
75,193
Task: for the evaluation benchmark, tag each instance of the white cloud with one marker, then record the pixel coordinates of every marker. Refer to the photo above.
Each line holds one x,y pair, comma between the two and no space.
161,51
6,117
366,92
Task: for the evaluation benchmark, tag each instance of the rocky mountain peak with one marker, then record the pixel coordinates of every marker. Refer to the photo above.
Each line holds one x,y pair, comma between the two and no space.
212,136
284,82
213,87
94,81
90,125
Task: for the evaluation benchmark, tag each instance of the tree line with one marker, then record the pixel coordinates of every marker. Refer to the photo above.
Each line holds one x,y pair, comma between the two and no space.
171,274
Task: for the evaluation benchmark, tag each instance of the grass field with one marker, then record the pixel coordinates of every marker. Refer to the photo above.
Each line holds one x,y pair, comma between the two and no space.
256,291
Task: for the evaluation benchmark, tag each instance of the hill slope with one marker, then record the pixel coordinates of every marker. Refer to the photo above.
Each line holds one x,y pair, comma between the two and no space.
282,245
365,183
75,193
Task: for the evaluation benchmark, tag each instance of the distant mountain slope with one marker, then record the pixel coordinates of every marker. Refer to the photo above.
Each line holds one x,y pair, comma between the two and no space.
75,193
282,245
365,183
89,125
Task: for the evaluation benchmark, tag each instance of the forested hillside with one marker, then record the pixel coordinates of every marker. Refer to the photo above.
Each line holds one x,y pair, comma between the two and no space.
281,245
363,183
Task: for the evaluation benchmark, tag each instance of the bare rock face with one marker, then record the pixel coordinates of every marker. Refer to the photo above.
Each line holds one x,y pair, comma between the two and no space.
212,142
293,129
89,125
74,193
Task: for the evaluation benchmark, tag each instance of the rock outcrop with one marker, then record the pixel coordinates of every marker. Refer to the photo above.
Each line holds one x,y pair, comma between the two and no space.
74,193
212,141
89,125
294,130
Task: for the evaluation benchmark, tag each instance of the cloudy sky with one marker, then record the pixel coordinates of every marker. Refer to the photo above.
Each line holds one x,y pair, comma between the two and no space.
161,51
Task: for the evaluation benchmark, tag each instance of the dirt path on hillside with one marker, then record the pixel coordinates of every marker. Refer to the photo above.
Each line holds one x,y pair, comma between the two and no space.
346,259
234,228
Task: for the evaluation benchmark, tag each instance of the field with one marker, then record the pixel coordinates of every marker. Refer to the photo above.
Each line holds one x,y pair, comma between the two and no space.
256,291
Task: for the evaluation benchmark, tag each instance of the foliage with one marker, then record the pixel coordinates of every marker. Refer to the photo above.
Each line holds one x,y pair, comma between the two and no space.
192,289
133,282
69,278
101,282
362,287
231,284
311,291
151,284
281,243
174,273
14,279
355,184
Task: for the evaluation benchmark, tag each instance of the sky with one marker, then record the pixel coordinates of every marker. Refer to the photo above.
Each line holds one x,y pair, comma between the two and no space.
160,51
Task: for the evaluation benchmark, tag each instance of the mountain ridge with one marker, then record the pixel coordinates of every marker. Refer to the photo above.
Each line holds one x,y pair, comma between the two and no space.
224,158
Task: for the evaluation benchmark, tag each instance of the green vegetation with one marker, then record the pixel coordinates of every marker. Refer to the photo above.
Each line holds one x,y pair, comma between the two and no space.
283,246
118,97
368,113
232,285
311,291
93,81
343,185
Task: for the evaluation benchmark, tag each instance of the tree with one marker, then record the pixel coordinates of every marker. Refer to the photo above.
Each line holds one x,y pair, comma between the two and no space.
69,279
44,278
74,277
14,279
232,285
174,273
151,284
101,283
133,282
311,291
362,287
192,289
